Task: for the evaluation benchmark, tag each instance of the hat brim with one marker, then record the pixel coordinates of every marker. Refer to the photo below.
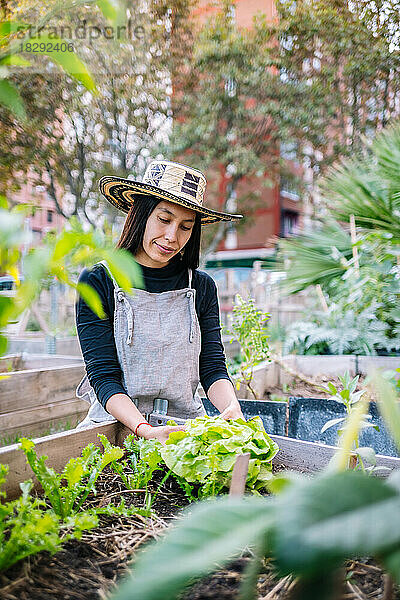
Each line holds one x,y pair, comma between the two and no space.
121,192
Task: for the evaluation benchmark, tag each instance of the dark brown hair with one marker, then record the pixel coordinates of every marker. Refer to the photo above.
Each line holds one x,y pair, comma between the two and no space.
132,234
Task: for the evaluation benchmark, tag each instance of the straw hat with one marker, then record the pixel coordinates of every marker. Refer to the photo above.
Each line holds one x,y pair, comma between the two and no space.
168,181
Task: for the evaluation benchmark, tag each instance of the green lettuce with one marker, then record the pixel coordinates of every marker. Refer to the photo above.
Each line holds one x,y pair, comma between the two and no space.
206,451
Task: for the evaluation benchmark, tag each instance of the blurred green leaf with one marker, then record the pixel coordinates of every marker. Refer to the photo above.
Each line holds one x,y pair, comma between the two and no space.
314,530
388,405
124,268
91,298
68,60
109,8
14,60
214,533
3,341
11,99
8,27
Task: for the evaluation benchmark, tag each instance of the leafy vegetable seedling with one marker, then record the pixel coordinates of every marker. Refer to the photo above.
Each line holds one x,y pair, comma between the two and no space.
68,490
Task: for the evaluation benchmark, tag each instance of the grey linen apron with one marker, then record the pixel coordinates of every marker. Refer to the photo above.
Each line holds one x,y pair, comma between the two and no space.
158,341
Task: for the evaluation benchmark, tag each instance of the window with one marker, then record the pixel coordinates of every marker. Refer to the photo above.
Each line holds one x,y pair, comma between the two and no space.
288,188
49,216
288,150
289,223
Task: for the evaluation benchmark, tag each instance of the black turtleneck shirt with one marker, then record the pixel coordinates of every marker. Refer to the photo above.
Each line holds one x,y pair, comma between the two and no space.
96,336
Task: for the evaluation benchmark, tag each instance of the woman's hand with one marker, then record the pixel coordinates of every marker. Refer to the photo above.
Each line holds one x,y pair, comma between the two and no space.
222,395
160,433
232,411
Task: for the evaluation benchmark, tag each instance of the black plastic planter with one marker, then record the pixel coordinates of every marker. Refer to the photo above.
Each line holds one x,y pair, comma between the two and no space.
273,414
307,416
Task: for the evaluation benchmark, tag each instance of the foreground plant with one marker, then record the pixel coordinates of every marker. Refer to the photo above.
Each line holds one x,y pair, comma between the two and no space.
28,527
309,528
59,256
68,490
202,457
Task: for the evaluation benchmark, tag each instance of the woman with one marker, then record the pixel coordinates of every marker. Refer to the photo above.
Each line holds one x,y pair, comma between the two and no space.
161,341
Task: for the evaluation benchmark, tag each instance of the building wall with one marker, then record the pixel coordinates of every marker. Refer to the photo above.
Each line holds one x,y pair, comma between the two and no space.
44,217
278,212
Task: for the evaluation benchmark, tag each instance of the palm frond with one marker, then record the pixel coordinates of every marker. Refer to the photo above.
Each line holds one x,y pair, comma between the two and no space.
368,187
316,257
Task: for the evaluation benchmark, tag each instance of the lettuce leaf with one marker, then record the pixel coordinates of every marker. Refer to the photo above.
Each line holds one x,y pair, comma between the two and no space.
206,451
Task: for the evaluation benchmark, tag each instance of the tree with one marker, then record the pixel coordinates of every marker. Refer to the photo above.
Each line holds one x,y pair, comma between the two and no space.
222,113
316,79
339,66
75,137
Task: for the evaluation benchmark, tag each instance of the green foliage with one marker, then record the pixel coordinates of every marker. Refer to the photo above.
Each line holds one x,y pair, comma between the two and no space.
347,396
334,60
369,187
319,256
59,256
205,452
68,490
67,60
28,527
25,528
341,331
88,134
248,327
215,531
309,528
361,291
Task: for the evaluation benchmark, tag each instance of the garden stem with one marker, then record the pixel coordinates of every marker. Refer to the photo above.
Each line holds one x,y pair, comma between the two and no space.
247,382
248,586
294,373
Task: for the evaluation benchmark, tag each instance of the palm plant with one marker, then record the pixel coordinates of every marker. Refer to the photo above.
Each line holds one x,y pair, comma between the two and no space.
369,188
359,277
341,332
317,257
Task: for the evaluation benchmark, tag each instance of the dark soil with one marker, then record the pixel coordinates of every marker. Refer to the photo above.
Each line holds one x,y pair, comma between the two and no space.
89,569
361,580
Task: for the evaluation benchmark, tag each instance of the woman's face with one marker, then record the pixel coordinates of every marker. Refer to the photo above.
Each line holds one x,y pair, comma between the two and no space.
168,229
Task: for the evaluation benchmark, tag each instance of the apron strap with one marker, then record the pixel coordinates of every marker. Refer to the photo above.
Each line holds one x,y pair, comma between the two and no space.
107,268
190,277
121,297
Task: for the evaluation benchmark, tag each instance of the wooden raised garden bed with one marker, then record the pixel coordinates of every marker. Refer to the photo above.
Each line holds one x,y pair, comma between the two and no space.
36,399
89,569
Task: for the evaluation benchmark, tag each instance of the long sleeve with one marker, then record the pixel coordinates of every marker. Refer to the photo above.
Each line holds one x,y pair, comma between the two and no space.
212,356
96,337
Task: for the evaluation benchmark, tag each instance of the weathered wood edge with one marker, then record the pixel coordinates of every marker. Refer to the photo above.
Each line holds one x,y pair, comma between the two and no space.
310,457
59,448
307,457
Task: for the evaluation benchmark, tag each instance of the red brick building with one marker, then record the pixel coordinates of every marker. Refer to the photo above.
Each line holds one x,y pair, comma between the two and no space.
280,210
44,217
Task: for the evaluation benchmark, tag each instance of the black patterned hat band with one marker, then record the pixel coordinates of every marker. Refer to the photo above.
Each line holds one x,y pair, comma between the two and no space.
168,181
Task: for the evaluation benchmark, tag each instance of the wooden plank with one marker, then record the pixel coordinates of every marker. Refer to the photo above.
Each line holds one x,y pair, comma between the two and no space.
45,412
310,457
239,475
26,389
43,428
59,447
